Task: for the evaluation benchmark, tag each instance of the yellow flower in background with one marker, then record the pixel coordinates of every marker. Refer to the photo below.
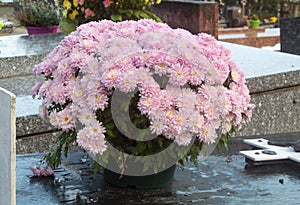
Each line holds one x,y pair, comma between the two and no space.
73,14
75,3
92,10
67,4
1,25
56,2
273,19
65,12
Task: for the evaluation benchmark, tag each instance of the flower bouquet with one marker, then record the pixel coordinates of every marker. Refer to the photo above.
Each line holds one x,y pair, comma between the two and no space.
78,12
140,96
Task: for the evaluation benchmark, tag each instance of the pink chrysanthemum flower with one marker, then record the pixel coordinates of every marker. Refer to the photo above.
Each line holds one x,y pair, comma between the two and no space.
187,85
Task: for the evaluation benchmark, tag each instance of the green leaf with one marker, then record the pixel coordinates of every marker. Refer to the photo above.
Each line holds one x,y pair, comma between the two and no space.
153,16
144,15
110,125
127,12
96,167
116,17
110,133
67,26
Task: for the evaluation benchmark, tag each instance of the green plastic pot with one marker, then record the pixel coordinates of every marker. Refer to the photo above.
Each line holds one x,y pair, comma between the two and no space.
153,181
254,23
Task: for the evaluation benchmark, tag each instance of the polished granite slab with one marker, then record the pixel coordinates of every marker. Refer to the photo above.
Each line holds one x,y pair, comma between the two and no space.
25,45
218,180
257,62
19,53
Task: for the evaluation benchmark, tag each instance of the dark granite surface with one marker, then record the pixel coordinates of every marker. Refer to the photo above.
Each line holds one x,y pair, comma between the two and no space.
218,180
290,35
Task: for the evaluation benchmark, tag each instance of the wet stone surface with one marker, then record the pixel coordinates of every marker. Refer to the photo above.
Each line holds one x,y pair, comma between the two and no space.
24,45
218,180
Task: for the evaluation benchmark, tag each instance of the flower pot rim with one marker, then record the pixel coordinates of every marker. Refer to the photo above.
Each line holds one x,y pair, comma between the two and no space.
55,26
32,30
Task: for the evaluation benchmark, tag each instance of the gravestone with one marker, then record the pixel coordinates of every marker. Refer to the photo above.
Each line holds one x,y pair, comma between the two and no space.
7,148
194,16
290,35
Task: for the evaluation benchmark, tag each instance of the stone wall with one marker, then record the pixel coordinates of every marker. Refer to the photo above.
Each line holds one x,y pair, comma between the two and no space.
290,35
194,16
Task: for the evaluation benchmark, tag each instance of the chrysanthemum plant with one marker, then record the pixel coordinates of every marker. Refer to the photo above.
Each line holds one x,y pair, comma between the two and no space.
77,12
139,88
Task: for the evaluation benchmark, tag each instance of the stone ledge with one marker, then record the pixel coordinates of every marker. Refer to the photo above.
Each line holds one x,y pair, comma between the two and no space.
31,125
273,82
37,143
19,65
